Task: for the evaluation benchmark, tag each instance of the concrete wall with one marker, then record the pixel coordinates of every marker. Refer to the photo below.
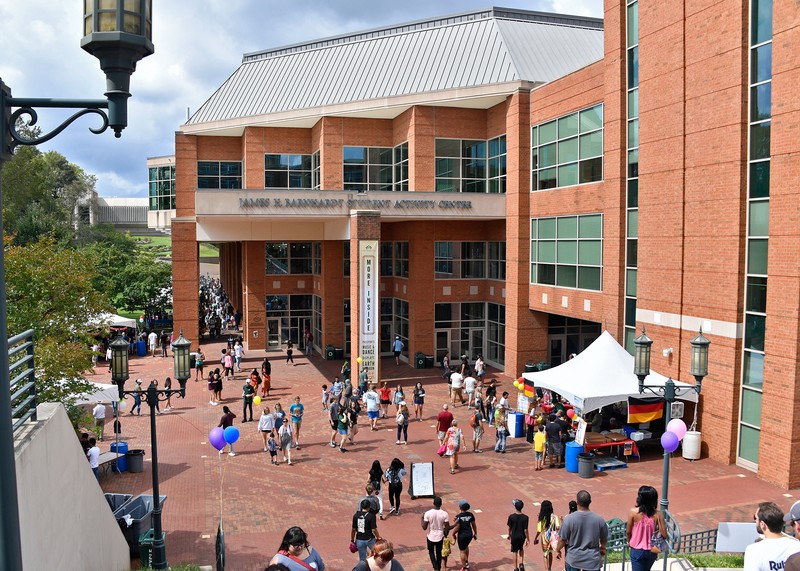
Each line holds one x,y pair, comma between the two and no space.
65,521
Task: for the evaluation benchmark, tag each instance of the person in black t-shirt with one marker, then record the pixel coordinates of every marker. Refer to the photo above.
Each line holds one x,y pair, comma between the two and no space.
365,530
464,531
518,535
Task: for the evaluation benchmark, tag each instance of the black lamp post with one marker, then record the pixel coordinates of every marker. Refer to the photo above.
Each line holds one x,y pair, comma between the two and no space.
118,33
641,368
151,396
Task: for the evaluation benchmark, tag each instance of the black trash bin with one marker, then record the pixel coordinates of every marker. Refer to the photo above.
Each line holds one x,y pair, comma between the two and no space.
429,361
146,541
586,465
338,354
419,360
135,461
330,353
192,360
140,510
530,367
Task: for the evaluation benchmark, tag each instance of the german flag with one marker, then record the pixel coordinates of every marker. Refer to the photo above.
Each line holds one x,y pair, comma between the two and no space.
529,390
644,410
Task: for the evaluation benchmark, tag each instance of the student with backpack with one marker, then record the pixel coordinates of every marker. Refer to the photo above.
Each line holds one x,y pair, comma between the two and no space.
394,476
476,421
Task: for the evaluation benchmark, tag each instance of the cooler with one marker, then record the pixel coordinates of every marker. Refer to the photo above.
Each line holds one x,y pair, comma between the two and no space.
516,425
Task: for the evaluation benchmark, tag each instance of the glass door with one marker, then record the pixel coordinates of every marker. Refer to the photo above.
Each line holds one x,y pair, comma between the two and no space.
273,334
442,345
556,351
476,337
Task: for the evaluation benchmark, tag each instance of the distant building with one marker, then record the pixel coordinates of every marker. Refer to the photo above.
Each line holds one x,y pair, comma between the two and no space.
161,192
125,214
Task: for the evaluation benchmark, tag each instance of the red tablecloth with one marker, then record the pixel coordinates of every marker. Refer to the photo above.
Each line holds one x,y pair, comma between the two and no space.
589,446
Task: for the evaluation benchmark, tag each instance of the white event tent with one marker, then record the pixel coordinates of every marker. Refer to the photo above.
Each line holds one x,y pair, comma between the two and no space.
602,374
113,320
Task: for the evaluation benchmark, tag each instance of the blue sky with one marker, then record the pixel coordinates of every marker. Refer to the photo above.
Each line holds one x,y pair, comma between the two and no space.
199,43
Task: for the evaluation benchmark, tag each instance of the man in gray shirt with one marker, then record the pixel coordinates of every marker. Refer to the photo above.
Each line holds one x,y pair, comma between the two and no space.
586,534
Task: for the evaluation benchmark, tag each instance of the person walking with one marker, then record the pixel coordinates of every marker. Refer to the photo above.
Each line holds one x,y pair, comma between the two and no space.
376,477
167,387
394,476
238,353
266,426
152,340
199,360
398,397
225,422
586,534
547,527
266,377
501,429
381,558
372,401
539,443
443,421
227,363
217,388
291,554
296,411
99,414
435,522
476,421
644,520
419,401
518,535
402,422
137,398
248,392
308,339
454,441
93,455
285,441
397,348
385,394
465,530
289,351
364,532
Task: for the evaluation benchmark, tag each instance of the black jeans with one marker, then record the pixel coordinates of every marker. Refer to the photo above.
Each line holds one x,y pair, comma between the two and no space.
247,404
435,553
394,495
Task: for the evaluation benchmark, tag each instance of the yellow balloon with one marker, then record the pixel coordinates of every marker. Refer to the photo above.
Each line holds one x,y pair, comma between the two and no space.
516,384
359,360
256,401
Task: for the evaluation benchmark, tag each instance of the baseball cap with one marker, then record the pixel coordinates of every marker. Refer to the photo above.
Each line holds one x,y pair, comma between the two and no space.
463,504
518,504
794,513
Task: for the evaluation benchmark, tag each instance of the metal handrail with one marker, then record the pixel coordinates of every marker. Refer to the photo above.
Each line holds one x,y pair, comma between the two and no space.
23,385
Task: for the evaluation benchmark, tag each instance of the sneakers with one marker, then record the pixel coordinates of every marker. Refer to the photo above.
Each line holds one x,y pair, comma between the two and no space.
332,444
231,453
398,442
342,450
391,510
265,449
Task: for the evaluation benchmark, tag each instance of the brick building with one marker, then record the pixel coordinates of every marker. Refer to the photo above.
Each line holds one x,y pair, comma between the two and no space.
529,180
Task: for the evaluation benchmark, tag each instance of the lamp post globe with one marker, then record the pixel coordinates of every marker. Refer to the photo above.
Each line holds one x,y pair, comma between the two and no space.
119,362
699,366
641,358
182,363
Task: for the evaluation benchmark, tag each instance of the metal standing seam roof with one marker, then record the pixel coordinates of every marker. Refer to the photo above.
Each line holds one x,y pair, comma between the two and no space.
467,50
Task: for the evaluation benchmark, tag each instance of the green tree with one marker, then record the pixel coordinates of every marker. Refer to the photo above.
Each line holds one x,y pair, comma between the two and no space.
147,285
49,289
112,253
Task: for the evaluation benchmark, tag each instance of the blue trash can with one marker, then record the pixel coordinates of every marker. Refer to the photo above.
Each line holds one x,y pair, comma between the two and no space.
121,463
571,456
141,348
516,424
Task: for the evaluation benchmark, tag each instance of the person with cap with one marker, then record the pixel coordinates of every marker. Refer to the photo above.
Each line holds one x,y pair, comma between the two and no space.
365,530
518,534
793,561
436,524
443,421
586,534
397,348
771,553
501,428
464,530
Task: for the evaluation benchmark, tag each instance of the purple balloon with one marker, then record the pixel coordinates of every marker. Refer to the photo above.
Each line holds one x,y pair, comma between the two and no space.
217,438
677,426
670,441
231,434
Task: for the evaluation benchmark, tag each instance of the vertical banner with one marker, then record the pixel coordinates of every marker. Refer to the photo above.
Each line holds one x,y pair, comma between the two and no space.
369,306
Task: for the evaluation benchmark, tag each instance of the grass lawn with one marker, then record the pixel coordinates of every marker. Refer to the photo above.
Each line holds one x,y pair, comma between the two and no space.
163,245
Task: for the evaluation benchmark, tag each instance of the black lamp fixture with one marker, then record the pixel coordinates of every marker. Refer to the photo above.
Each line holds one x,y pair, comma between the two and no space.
119,362
641,357
699,365
180,355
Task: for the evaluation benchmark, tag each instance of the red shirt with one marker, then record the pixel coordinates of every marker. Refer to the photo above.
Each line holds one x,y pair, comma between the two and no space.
385,393
444,420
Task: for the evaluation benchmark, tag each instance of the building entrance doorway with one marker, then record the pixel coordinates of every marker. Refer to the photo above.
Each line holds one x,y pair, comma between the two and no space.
567,335
273,334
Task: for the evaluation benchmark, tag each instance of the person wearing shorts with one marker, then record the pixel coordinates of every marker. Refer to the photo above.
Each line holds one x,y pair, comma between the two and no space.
372,401
518,534
554,449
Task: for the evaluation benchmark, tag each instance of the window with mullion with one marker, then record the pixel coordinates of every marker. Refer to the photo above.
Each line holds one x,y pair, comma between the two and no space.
219,174
567,251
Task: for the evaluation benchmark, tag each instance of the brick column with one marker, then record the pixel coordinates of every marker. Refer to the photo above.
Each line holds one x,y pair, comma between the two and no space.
254,311
526,330
364,225
421,289
186,279
333,291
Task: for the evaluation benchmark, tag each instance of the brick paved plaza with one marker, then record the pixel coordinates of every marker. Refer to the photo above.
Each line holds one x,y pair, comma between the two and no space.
258,501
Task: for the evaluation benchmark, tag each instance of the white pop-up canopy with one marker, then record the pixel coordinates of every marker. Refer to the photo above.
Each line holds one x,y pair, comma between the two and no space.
113,320
600,375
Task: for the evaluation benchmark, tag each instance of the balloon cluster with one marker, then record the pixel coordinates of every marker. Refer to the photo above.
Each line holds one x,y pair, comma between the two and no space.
519,384
570,414
676,430
218,437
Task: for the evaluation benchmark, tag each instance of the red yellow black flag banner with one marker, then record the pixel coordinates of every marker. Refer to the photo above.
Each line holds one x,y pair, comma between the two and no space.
529,390
644,410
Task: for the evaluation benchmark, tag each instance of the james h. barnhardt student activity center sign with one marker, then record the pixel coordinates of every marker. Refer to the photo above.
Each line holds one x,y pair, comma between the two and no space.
351,203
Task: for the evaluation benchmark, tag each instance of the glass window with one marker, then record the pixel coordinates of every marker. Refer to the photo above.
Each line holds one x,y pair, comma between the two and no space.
761,102
753,369
756,294
759,179
761,21
754,327
470,165
759,218
567,251
630,283
759,141
757,256
761,63
632,24
561,142
288,171
369,168
633,103
633,223
748,443
161,188
633,67
219,174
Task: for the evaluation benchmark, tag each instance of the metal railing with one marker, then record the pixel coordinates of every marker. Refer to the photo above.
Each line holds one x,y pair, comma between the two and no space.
22,377
618,539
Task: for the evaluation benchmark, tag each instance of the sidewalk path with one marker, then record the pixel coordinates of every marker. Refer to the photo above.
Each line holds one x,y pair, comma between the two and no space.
258,501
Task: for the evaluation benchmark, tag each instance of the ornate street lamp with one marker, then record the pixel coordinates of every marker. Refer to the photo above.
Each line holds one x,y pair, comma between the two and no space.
152,396
669,392
119,34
